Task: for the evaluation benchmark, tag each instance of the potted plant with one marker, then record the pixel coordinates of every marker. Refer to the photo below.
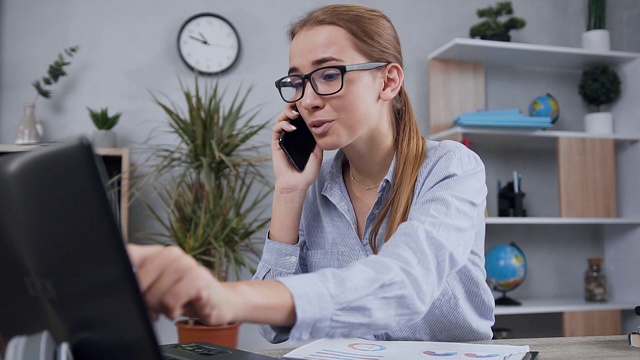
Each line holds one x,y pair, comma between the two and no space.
599,85
597,36
211,189
494,27
103,136
30,130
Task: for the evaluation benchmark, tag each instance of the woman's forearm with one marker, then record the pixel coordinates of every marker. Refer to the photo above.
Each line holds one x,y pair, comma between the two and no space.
267,302
285,216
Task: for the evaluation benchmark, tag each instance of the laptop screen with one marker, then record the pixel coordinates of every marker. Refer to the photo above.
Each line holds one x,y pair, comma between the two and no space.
63,263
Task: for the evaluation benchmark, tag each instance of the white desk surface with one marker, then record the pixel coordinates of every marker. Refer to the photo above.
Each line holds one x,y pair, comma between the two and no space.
585,347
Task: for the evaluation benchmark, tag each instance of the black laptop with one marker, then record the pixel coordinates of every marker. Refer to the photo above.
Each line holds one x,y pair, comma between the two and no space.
63,264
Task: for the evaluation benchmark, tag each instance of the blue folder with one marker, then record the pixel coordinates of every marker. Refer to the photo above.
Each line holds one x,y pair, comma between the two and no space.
502,118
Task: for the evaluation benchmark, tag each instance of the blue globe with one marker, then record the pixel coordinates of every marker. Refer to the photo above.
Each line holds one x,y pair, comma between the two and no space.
545,105
506,268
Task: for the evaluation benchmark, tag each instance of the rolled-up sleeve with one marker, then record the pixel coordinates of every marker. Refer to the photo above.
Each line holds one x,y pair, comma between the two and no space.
278,260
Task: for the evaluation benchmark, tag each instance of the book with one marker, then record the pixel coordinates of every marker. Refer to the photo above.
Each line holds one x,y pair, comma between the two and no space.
360,349
502,118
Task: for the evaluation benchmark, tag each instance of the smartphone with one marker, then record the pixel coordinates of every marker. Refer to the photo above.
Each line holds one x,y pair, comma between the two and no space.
298,144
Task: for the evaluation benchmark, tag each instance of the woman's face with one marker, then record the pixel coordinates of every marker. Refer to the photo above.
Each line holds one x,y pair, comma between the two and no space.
354,116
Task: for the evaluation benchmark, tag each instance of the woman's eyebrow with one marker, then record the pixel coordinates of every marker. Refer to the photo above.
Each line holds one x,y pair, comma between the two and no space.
316,63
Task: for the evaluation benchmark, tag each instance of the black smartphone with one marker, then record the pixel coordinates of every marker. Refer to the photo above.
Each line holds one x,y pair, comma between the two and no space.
298,144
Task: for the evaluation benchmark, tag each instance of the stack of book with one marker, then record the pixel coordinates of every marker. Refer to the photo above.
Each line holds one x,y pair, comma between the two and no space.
502,118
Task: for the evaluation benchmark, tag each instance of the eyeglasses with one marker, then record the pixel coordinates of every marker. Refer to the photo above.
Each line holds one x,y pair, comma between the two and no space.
325,81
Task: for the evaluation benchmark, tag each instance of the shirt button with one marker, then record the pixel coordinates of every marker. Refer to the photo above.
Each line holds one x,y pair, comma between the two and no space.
293,258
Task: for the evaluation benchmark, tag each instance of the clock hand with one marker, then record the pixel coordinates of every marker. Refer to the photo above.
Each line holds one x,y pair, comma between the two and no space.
220,46
200,40
204,39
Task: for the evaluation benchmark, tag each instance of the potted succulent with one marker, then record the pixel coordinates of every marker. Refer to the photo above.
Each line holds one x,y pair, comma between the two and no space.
495,27
103,136
30,130
211,190
599,85
597,36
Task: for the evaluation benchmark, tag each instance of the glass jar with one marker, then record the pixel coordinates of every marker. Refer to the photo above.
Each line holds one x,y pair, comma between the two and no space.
595,281
28,132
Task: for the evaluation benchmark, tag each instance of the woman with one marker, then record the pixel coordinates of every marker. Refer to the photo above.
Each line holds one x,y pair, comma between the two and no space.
417,206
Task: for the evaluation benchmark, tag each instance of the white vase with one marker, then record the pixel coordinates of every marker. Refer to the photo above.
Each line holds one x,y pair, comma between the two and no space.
28,129
596,40
104,139
598,123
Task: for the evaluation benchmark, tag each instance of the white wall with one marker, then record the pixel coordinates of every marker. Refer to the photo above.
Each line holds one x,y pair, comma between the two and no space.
128,49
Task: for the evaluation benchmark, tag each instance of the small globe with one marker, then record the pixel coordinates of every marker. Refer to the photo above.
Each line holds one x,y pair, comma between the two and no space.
506,268
545,105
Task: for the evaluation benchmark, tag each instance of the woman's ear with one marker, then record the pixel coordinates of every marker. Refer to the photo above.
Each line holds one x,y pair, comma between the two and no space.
393,80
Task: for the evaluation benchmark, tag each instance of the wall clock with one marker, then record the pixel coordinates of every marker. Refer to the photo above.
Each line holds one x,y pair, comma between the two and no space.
208,43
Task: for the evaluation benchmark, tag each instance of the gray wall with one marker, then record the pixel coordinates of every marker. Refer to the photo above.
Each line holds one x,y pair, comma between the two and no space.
128,49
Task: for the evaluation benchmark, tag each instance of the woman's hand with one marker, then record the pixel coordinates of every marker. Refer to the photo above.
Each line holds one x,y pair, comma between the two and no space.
174,284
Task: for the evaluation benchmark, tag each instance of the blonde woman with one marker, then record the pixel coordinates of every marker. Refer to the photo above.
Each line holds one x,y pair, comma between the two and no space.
384,240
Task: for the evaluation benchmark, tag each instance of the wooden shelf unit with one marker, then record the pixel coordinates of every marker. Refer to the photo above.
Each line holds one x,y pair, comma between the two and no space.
597,174
507,134
560,305
560,221
118,165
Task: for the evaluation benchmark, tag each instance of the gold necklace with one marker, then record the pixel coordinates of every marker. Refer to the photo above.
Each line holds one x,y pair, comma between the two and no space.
359,183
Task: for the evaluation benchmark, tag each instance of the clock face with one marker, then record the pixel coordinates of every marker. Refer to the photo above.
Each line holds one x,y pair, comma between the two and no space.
208,43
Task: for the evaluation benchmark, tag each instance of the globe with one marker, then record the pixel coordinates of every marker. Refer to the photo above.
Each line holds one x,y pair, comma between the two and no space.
506,268
545,105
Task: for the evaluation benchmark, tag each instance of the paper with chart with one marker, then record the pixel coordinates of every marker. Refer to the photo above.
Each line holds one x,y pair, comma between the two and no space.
359,349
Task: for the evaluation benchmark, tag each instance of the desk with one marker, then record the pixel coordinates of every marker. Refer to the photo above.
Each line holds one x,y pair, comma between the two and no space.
584,347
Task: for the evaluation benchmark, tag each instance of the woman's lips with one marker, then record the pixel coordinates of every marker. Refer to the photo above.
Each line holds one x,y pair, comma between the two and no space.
320,127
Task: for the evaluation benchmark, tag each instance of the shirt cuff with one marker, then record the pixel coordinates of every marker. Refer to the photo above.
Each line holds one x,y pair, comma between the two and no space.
280,256
313,320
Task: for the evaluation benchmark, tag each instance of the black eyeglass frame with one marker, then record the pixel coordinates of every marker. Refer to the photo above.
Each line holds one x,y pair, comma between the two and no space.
343,70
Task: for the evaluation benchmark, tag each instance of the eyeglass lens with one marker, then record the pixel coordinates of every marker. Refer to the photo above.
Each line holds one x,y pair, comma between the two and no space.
324,81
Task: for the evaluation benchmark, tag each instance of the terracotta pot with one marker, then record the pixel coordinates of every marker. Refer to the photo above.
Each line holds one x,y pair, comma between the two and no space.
225,335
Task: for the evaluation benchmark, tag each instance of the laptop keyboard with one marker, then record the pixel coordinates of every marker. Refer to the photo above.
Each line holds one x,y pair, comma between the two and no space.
206,351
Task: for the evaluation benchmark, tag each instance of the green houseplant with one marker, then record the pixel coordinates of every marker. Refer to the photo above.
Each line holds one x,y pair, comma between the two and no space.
496,25
599,85
102,120
597,14
103,136
55,71
30,129
210,186
596,37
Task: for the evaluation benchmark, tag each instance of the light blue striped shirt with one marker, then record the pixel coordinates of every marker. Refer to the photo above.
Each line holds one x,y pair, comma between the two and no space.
426,283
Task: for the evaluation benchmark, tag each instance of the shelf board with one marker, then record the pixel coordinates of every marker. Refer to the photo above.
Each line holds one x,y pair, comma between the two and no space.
542,306
560,221
531,55
9,148
528,133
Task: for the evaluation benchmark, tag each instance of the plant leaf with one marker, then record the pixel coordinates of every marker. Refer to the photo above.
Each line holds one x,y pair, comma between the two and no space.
211,188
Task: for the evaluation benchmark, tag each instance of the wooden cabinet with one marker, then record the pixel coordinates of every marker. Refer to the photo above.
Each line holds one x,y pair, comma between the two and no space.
117,164
581,189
